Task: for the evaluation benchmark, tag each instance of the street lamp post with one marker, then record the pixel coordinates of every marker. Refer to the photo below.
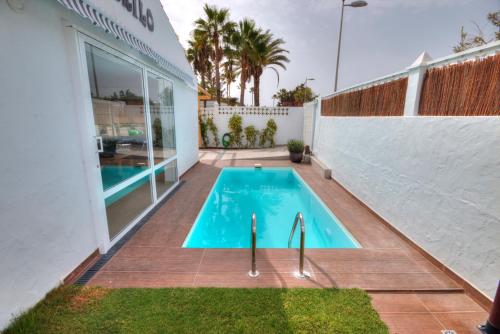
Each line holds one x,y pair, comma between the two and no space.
305,88
355,4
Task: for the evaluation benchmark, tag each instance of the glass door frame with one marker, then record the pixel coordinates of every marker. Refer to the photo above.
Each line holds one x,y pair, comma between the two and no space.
96,182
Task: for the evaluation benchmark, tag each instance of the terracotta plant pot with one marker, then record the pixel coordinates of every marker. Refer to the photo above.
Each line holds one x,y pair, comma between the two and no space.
296,157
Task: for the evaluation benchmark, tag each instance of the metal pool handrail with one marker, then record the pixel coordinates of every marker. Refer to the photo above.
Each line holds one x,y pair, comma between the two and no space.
254,272
299,217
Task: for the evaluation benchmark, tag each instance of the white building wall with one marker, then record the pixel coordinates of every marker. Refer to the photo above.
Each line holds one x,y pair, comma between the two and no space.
186,126
162,41
290,125
436,179
45,214
47,201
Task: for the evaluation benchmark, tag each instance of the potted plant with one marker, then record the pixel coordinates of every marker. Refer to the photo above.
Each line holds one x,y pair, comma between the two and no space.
296,149
109,145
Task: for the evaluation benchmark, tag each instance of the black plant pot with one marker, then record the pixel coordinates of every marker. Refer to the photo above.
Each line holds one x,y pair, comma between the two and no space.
109,146
295,157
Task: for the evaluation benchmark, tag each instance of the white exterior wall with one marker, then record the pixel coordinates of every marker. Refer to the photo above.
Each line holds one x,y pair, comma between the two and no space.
307,131
48,198
186,126
310,112
436,179
290,126
45,209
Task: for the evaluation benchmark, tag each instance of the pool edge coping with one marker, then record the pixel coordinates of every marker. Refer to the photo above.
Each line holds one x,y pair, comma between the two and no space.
344,229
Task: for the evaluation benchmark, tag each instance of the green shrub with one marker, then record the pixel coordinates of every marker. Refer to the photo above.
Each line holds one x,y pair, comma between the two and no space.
295,146
158,133
267,135
213,129
235,125
251,135
203,130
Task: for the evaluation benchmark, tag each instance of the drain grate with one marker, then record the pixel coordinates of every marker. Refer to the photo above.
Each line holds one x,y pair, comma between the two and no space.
106,257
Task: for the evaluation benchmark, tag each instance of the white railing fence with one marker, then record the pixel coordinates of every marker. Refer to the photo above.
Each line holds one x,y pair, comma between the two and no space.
289,120
229,110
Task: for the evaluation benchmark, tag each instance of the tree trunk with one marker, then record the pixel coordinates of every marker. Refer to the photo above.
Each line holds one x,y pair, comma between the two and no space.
243,83
216,64
203,82
256,90
217,79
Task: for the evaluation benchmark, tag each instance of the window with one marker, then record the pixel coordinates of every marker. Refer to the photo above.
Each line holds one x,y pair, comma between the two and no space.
135,139
166,177
120,122
161,106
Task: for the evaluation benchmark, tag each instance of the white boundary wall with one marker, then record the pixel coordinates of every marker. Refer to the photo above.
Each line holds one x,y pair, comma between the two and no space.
288,119
309,120
436,179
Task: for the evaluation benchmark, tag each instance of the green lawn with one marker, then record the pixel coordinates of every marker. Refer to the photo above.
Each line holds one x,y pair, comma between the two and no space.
206,310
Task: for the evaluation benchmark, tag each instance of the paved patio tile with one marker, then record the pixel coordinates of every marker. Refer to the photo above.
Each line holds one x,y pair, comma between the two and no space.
453,302
390,281
397,303
412,323
165,265
265,280
395,272
384,262
160,252
462,322
117,279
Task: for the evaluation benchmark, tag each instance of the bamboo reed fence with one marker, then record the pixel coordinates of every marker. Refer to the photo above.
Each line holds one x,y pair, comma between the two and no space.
471,88
386,99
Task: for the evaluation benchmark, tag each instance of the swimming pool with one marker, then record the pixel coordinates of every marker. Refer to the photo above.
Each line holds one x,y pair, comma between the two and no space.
275,195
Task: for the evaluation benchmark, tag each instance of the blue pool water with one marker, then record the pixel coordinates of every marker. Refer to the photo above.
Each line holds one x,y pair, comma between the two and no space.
275,195
115,174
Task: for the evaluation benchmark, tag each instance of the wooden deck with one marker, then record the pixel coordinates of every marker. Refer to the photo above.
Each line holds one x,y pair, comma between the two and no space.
403,283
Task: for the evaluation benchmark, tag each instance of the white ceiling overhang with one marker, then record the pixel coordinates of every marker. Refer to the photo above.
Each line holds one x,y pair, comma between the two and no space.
98,18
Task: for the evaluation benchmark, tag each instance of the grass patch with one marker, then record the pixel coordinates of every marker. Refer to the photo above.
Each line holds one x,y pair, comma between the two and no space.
205,310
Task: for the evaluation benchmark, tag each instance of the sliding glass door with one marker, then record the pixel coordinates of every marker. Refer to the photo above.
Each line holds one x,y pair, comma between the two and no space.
161,106
135,139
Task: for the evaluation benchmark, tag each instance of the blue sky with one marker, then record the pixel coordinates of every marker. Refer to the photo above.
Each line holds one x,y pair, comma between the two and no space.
380,39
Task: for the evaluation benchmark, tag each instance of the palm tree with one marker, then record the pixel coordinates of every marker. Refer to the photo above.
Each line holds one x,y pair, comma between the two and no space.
267,52
243,40
252,90
216,28
198,54
230,72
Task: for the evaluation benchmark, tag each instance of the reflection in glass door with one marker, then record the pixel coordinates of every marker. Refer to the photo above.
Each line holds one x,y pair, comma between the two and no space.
135,137
161,108
120,126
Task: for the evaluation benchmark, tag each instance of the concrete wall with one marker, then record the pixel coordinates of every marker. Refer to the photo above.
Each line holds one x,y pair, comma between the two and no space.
48,196
290,125
309,118
436,179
